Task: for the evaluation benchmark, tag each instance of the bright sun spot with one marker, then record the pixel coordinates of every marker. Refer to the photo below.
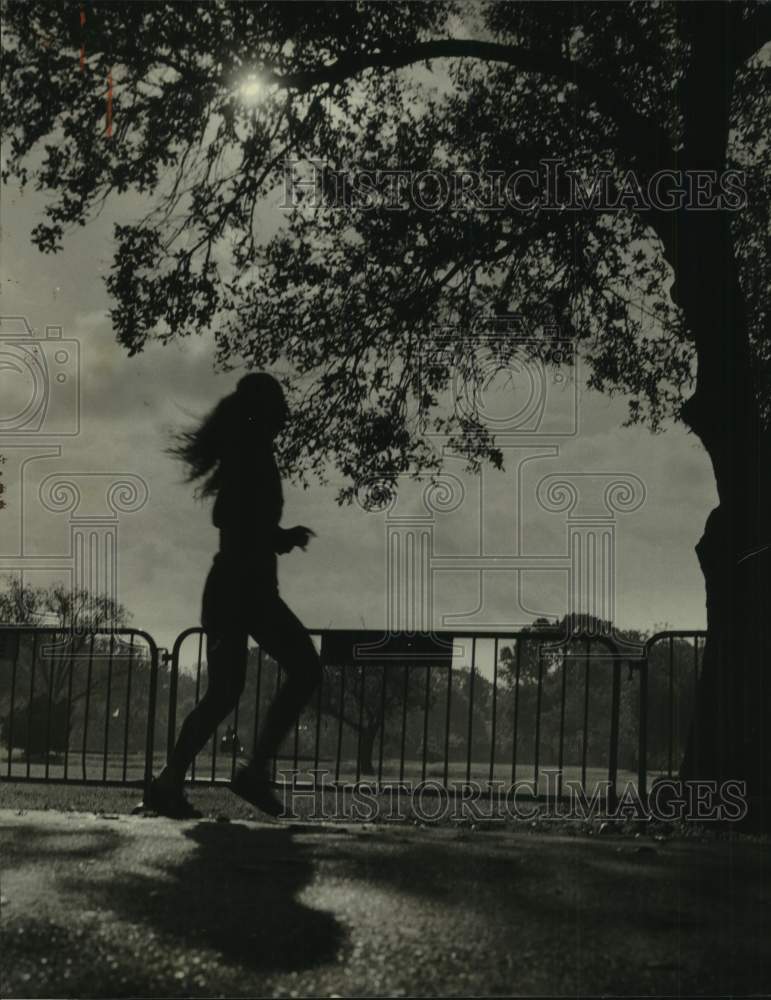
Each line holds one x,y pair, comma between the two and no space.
251,89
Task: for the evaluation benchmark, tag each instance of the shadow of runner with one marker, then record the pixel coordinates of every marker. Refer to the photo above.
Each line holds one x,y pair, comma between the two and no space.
236,894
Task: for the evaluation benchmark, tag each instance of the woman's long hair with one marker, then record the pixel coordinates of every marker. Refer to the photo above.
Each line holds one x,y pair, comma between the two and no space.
202,448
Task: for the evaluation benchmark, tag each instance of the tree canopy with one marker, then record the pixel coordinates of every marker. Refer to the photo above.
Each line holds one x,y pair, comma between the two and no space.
346,290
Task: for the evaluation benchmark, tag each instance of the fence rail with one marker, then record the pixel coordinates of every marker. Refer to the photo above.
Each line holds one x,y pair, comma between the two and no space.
491,707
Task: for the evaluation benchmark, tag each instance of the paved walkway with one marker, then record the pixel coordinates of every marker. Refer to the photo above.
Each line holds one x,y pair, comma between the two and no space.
99,906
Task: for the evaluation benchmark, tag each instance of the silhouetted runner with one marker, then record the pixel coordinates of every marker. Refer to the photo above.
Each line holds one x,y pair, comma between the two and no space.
233,449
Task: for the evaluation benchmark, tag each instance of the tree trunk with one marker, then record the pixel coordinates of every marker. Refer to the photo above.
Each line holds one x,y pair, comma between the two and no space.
730,734
729,738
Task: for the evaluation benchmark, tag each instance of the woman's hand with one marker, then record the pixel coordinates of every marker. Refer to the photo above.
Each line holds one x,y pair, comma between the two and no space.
299,536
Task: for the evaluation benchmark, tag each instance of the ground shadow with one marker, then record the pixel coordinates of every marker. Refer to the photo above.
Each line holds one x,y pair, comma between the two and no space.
236,893
28,844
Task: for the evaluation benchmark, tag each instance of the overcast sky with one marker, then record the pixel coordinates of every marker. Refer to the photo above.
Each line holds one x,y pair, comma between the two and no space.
129,404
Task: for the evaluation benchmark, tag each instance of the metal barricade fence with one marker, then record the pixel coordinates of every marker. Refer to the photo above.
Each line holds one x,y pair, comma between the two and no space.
669,677
491,707
496,709
78,706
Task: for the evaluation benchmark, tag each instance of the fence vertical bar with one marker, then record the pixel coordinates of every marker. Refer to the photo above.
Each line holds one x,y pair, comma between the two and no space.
614,729
31,699
88,703
14,671
671,704
69,716
197,692
48,712
470,727
107,708
317,744
447,722
382,724
151,700
340,722
494,720
362,679
587,674
128,706
642,736
425,720
539,693
561,752
515,727
404,721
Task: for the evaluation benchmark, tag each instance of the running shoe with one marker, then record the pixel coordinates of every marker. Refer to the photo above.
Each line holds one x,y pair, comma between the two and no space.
255,787
169,801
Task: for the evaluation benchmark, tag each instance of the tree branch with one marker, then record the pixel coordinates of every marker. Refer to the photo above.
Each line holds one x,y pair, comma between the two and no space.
641,137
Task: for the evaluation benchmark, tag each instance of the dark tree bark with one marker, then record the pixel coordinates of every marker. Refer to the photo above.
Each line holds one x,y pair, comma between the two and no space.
729,739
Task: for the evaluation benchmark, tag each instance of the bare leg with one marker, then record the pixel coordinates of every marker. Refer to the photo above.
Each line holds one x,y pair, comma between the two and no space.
226,656
283,636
